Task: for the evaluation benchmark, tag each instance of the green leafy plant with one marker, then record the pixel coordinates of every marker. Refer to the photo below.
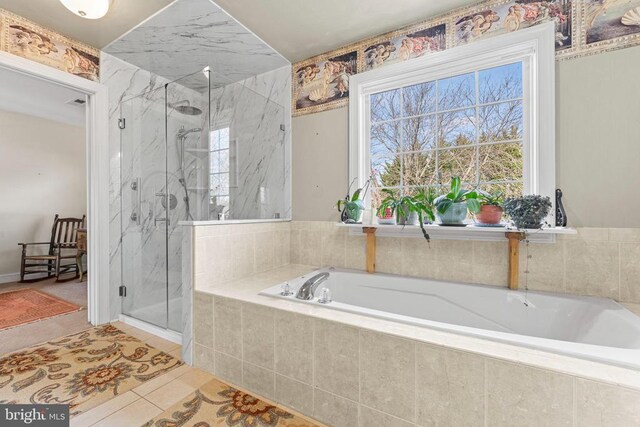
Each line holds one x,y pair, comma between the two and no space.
427,196
403,206
457,194
528,211
352,206
492,199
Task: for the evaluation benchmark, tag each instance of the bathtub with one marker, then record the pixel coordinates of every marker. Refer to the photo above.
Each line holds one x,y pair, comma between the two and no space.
586,327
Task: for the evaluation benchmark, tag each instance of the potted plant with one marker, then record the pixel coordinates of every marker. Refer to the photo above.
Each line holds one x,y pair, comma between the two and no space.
528,211
409,210
490,208
351,208
386,216
427,196
400,205
451,208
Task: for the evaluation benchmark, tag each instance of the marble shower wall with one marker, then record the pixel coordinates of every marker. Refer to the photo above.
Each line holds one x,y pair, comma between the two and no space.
192,34
258,114
138,156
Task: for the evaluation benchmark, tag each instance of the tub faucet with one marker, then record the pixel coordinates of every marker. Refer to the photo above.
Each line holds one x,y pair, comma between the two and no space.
309,287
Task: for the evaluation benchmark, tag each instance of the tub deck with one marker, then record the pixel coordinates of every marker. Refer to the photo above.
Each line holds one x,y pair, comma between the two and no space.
248,290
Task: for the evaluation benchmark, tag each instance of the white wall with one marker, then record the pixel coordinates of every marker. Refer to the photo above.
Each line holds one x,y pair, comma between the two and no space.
42,173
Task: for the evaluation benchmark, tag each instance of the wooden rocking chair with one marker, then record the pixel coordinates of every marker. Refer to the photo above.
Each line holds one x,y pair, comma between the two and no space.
62,247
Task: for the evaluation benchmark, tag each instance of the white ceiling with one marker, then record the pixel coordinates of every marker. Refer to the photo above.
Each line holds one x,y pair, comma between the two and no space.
24,94
299,29
122,16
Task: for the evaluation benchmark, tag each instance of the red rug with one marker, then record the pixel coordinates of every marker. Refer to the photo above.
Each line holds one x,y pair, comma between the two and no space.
28,305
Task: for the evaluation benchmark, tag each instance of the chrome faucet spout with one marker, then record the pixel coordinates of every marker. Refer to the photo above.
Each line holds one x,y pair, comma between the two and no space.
308,289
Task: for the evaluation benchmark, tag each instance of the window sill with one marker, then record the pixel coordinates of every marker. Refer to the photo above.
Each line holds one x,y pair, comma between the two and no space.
470,232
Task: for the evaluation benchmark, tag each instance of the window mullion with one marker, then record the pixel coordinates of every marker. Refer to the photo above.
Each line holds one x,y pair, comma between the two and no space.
402,142
477,147
437,147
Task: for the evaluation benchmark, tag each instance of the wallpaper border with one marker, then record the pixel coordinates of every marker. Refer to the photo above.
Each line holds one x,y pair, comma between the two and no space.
578,10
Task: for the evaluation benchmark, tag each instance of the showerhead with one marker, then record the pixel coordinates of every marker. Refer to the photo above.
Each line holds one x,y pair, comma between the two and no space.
184,107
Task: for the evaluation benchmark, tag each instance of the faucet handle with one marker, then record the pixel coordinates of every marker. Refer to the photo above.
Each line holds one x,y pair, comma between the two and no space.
325,296
285,290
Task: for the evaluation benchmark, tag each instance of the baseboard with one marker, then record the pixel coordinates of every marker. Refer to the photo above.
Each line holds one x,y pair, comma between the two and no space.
166,334
15,277
8,278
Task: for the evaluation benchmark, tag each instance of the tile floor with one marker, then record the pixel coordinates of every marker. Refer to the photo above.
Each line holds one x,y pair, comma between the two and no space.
148,400
139,405
44,330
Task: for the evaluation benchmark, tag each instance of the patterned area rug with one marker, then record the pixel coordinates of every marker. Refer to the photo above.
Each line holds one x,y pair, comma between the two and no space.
28,305
218,404
82,370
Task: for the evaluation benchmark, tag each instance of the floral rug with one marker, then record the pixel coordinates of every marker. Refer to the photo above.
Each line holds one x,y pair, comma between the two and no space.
29,305
218,404
82,370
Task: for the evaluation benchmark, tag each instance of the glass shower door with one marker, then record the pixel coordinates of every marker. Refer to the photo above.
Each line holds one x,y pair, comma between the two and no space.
163,163
145,204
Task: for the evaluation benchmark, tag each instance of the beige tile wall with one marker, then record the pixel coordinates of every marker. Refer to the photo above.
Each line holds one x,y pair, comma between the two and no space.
346,376
234,251
597,261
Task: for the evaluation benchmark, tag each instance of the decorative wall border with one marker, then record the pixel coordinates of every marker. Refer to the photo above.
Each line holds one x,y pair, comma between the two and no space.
605,45
302,93
536,12
22,37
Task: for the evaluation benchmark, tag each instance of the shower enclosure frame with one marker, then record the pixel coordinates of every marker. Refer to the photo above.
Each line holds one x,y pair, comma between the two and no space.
97,160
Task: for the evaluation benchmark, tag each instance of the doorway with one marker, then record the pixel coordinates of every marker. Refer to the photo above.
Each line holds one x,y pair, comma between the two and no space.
43,185
96,180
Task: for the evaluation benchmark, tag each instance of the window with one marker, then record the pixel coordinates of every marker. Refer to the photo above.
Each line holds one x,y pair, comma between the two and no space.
470,125
483,111
219,172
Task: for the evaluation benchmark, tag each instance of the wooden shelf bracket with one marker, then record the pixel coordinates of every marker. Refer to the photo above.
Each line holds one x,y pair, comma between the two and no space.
514,237
371,248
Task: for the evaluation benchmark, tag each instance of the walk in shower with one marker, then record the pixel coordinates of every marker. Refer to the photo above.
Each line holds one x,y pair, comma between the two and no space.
196,149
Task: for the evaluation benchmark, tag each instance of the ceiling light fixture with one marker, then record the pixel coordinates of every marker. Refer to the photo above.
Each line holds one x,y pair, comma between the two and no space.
89,9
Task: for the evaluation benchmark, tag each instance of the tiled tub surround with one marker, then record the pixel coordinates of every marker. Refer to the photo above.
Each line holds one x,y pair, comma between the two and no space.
346,370
601,262
589,328
318,361
218,252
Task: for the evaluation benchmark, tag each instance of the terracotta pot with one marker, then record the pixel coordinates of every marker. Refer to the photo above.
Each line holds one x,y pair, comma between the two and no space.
388,217
489,214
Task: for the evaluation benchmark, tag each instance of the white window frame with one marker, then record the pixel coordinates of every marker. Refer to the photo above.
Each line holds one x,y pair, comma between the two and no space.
219,128
535,47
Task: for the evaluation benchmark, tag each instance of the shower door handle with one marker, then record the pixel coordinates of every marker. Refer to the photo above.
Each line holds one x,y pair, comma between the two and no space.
163,197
